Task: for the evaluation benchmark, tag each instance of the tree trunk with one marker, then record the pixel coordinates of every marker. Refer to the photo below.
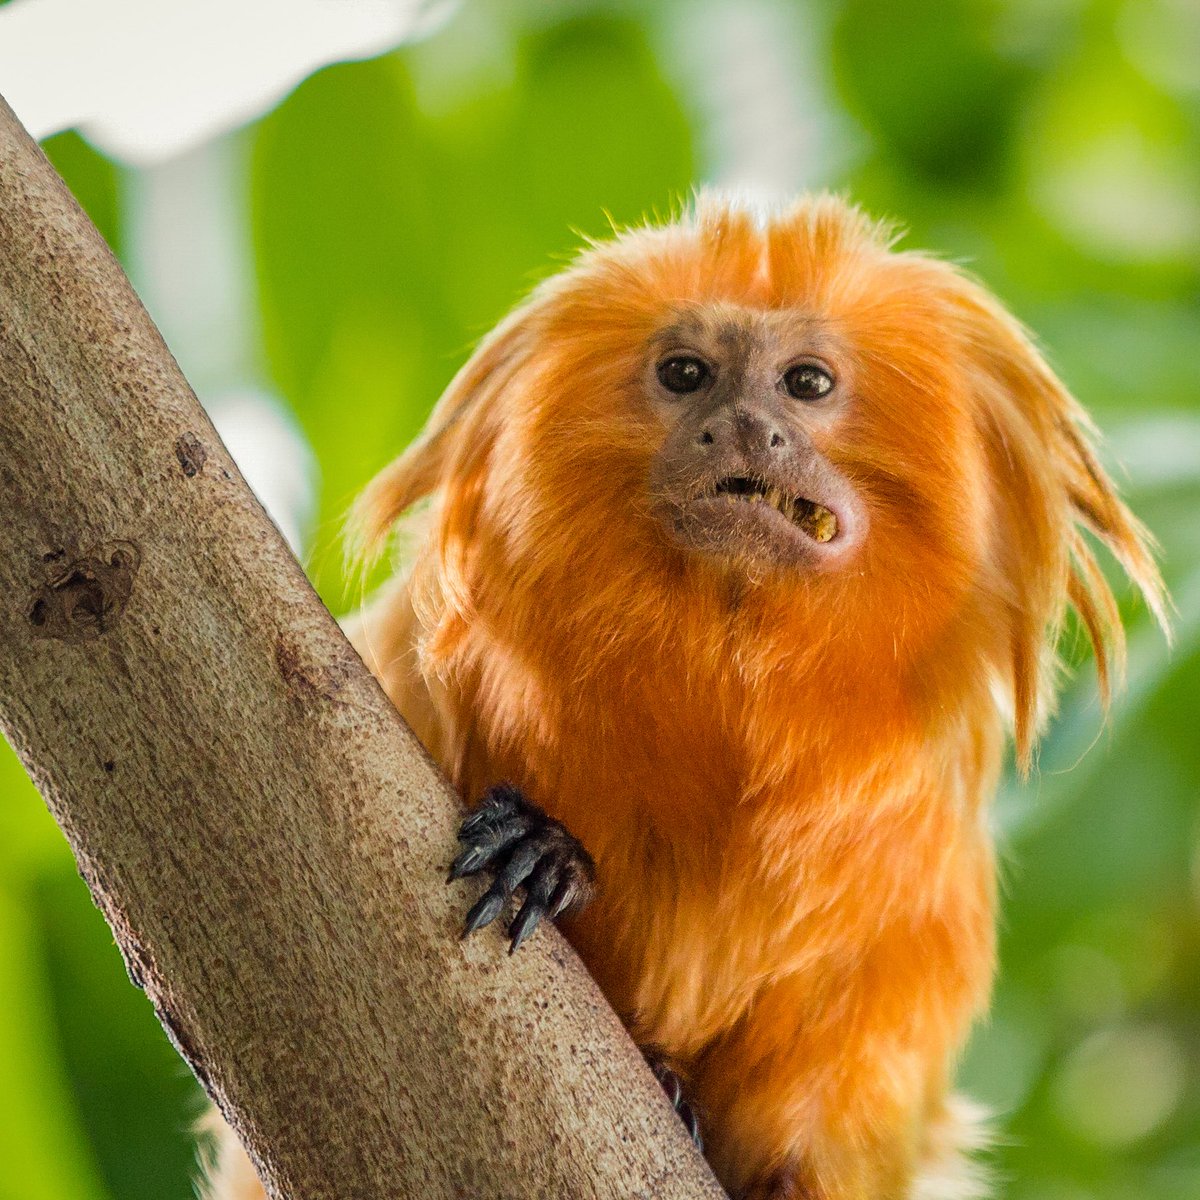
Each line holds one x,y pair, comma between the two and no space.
265,836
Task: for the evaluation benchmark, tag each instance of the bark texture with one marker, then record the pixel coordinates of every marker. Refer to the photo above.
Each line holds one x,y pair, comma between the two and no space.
265,836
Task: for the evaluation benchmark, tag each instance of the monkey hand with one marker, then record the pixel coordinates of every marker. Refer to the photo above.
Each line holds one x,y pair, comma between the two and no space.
524,847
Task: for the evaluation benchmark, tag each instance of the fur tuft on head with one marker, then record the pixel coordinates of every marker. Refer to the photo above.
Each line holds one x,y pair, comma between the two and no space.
1048,489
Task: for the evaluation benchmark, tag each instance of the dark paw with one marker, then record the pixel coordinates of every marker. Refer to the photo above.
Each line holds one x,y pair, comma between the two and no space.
525,848
672,1085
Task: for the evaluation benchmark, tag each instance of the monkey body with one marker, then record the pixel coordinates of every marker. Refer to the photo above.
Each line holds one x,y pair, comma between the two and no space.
803,935
748,543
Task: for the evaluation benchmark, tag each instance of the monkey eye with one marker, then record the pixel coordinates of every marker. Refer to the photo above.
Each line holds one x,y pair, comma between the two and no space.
683,373
807,381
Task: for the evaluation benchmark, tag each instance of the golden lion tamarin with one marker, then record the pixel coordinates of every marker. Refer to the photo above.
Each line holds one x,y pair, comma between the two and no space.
750,537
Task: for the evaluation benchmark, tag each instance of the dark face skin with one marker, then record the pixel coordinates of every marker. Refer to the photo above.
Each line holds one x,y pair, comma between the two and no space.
738,477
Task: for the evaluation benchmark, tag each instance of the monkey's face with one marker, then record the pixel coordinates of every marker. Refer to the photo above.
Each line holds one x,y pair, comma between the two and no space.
745,398
790,401
787,404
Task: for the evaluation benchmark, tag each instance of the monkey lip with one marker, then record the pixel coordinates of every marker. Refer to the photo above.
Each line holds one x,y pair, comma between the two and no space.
819,522
810,520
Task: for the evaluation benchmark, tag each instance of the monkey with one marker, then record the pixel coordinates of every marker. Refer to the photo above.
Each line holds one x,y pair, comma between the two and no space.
748,541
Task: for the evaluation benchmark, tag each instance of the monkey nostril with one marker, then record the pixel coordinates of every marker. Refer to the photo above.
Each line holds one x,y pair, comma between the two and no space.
776,440
706,438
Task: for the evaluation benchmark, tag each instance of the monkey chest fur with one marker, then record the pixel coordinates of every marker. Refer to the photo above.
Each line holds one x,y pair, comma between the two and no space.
732,857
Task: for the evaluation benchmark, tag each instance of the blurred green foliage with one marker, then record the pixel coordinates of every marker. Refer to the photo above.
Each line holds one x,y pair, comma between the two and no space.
399,206
413,232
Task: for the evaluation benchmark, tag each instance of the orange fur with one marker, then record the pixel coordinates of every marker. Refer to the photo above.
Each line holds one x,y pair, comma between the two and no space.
782,777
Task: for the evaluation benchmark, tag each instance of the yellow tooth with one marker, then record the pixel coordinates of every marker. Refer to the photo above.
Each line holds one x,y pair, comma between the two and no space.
824,524
775,498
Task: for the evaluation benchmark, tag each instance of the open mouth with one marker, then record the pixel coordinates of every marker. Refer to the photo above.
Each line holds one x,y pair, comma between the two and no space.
815,519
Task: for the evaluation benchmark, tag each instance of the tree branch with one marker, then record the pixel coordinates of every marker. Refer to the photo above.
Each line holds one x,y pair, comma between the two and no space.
263,833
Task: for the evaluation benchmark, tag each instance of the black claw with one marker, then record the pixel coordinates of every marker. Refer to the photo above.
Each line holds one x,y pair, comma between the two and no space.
525,848
484,911
670,1083
539,888
470,861
479,819
524,923
567,895
687,1114
672,1086
525,856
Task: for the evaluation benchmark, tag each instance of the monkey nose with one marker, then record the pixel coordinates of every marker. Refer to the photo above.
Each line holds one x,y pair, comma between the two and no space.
758,430
754,430
749,438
